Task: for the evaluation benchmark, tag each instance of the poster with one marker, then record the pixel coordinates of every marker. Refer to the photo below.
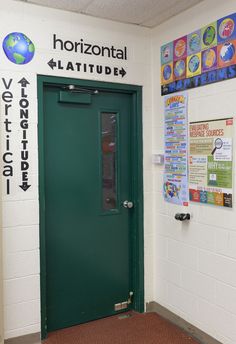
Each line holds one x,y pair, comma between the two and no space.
175,185
202,57
210,162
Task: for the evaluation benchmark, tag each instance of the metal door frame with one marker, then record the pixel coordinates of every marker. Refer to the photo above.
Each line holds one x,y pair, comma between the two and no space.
137,170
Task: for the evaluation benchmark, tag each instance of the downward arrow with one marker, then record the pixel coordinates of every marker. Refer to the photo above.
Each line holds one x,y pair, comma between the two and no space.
122,72
23,82
52,63
24,186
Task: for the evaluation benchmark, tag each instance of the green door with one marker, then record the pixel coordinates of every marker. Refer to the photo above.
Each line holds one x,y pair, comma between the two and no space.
88,228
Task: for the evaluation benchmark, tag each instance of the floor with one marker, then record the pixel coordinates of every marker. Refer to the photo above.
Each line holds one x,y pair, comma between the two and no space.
126,328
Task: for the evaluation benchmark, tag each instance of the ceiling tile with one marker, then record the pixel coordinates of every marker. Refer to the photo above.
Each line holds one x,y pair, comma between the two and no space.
68,5
166,13
131,11
149,13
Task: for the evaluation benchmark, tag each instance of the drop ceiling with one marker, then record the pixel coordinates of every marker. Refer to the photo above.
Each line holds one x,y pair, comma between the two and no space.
148,13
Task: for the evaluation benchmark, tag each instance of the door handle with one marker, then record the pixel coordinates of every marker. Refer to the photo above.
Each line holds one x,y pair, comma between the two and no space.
128,204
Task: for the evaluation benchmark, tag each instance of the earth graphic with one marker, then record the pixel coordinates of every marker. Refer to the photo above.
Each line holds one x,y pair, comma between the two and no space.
166,53
180,47
194,43
209,35
18,48
179,68
227,52
167,72
226,28
209,58
193,64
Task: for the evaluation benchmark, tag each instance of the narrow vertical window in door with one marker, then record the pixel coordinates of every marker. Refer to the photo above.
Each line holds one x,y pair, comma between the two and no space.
109,161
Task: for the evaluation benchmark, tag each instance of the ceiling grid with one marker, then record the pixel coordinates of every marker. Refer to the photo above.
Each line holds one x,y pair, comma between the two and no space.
147,13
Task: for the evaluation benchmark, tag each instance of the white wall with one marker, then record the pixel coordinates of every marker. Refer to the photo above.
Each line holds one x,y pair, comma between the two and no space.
21,209
195,263
189,268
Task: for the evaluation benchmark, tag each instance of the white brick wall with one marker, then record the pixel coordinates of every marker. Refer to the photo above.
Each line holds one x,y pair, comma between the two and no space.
195,262
21,210
189,268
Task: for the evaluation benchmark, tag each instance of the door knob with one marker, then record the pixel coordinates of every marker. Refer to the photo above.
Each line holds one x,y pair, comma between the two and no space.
128,204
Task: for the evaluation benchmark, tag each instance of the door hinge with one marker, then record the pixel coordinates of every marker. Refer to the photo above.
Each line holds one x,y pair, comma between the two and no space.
124,304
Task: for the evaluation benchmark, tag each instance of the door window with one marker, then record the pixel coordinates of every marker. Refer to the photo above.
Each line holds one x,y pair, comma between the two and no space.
109,160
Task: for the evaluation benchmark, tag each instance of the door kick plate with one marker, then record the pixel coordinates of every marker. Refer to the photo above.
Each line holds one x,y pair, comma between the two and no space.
120,306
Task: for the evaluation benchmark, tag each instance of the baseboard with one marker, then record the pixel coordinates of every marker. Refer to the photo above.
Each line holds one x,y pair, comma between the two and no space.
33,338
193,331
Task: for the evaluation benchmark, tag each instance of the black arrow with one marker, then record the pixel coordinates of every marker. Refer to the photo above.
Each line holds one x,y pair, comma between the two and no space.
24,186
52,63
23,82
122,72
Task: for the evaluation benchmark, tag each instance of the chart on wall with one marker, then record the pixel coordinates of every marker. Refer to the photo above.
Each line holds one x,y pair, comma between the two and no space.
202,57
175,185
211,161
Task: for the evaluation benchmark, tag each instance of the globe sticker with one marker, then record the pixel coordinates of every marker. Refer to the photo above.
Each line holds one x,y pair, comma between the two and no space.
18,48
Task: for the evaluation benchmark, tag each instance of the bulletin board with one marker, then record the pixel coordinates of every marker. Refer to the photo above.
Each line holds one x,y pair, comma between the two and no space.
202,57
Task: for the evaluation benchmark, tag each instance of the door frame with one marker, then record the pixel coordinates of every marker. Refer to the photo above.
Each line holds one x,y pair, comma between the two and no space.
137,237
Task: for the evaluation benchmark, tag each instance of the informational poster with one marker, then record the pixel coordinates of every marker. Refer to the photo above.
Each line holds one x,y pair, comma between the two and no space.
175,186
210,162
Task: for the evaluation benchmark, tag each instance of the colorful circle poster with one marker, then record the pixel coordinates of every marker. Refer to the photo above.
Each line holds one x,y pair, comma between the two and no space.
209,59
193,65
209,36
180,69
180,48
226,54
226,28
194,42
167,73
167,53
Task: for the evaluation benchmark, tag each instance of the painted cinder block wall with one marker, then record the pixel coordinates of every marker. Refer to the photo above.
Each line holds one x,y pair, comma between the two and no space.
190,269
21,209
195,262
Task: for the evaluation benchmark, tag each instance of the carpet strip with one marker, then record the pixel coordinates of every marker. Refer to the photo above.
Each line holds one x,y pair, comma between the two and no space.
126,328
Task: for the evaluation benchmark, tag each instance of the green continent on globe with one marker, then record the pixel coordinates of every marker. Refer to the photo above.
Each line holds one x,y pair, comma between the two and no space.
31,48
18,58
11,42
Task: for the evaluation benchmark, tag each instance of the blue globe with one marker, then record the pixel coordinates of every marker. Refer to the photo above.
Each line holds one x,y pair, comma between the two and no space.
167,72
227,52
18,48
194,42
179,68
193,64
209,35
